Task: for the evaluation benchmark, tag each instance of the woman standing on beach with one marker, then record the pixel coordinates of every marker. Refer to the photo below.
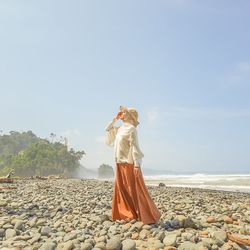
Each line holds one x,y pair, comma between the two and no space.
131,199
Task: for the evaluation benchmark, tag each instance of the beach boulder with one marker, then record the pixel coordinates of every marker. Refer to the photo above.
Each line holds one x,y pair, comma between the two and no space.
105,171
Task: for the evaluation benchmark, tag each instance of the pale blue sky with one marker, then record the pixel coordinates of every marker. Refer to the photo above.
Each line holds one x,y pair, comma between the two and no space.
66,66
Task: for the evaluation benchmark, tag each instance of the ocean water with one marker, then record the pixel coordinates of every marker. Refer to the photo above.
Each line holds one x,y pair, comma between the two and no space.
226,182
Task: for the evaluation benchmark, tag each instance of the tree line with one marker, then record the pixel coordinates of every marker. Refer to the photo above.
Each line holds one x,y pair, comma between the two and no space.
29,155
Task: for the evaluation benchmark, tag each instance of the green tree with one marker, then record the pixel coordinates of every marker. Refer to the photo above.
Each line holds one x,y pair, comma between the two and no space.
28,155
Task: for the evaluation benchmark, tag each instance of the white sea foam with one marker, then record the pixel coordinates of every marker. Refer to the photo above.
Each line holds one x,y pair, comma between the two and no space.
230,182
223,188
198,176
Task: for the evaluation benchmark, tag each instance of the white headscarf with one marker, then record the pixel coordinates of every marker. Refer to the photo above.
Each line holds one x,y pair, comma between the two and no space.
133,114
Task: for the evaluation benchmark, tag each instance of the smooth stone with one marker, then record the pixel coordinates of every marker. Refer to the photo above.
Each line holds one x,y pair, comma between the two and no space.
57,224
22,237
114,243
160,236
102,232
7,226
19,244
68,245
187,246
221,235
181,219
128,244
187,236
107,223
100,245
127,234
202,248
60,233
201,244
48,246
86,246
138,225
32,222
2,231
228,219
170,239
35,238
91,241
40,222
210,219
174,224
214,247
81,238
158,245
144,234
189,223
19,224
101,239
147,227
226,246
209,241
9,233
45,231
3,203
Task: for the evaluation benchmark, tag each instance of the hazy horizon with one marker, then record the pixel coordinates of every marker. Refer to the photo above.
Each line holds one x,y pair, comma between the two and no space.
66,67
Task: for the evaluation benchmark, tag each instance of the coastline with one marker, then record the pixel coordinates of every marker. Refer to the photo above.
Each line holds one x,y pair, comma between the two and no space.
222,182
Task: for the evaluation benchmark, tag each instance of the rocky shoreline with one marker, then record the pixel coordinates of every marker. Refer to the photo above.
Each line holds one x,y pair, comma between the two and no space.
76,214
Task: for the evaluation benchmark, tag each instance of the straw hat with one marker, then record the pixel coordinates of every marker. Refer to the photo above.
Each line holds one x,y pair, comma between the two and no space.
132,113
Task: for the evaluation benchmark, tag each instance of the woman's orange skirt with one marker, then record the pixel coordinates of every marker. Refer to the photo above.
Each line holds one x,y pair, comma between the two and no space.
131,199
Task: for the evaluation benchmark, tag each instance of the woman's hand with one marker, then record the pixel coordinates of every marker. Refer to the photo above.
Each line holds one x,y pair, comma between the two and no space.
119,115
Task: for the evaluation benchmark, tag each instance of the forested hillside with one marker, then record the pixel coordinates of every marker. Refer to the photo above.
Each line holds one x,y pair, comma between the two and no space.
30,155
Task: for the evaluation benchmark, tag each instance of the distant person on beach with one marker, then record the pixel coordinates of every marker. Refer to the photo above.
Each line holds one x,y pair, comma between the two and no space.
131,199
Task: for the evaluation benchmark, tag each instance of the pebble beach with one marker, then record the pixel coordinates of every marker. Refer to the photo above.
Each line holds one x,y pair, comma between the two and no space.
76,214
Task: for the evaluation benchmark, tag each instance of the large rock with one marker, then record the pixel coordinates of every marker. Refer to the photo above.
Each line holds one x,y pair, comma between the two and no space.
105,171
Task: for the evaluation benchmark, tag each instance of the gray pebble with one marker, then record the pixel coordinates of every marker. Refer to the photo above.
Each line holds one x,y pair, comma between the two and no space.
128,244
19,224
48,246
45,231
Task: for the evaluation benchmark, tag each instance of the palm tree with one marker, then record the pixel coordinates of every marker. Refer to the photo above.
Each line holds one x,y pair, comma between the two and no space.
52,136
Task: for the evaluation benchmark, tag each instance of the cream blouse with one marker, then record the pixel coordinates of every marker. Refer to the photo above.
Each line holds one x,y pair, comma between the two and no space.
125,142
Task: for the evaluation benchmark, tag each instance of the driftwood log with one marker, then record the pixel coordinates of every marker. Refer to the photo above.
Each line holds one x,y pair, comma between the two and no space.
7,178
245,241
